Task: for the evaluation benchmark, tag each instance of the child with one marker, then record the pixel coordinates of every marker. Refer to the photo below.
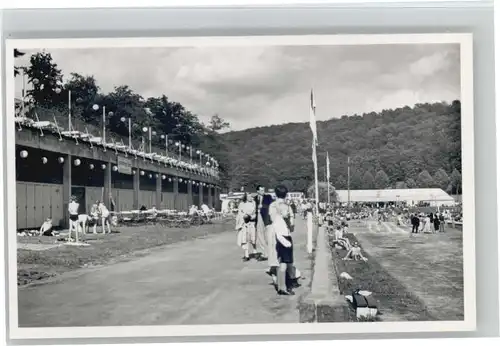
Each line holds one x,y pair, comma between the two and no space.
74,224
46,228
94,217
282,219
104,213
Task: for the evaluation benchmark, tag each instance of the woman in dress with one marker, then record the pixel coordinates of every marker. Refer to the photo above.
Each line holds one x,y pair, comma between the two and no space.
283,222
427,224
245,226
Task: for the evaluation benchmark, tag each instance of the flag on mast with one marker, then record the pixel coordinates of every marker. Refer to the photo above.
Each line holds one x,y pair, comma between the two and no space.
327,167
312,119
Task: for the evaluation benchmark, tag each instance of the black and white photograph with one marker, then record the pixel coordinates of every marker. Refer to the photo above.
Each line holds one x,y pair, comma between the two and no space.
240,185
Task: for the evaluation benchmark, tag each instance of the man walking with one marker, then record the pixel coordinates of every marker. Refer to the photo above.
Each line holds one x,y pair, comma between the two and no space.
415,222
262,220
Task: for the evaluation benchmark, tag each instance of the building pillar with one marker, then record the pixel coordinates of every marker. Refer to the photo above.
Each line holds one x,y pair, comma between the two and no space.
158,191
176,194
107,184
66,189
210,197
217,198
201,194
137,180
190,193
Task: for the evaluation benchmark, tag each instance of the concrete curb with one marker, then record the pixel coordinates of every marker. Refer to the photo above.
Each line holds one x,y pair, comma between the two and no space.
324,302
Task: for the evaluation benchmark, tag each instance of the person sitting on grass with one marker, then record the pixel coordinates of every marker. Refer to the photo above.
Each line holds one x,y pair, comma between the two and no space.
46,228
355,254
341,240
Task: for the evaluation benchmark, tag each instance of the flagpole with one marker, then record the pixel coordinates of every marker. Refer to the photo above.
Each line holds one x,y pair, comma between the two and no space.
328,177
150,139
348,183
316,187
69,110
129,133
312,123
23,110
104,125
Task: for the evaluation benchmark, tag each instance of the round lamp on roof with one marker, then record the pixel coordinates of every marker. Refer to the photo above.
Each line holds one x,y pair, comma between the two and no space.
57,90
103,166
23,154
44,160
123,119
77,162
95,107
61,159
111,114
91,166
144,129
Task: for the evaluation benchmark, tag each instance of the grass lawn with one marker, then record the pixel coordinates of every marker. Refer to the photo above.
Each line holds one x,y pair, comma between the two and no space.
395,302
129,242
430,265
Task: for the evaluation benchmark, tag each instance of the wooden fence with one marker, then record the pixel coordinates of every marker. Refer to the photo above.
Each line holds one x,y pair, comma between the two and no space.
36,201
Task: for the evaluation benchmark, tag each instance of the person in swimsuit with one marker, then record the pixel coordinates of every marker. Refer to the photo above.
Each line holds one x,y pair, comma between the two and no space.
73,207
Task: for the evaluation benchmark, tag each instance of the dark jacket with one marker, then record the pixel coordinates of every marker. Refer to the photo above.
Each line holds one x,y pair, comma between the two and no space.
264,211
415,221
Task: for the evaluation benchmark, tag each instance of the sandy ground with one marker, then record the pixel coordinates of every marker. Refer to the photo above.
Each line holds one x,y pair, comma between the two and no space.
200,281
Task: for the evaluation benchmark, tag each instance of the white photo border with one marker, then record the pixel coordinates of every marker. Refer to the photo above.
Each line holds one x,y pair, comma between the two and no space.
467,125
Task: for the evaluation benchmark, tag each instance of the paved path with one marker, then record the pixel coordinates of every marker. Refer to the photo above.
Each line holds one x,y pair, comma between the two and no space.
202,281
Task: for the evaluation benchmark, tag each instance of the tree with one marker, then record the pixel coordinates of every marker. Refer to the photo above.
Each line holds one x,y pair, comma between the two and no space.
217,124
411,183
425,180
17,54
456,181
401,185
341,182
368,180
356,182
323,192
46,80
84,94
441,179
381,180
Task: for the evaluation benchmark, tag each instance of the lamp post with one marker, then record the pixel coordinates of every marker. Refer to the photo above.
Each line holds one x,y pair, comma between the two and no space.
147,130
178,144
166,143
96,108
123,119
200,154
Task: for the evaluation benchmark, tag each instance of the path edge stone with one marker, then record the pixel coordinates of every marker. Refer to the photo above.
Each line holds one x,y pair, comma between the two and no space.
323,303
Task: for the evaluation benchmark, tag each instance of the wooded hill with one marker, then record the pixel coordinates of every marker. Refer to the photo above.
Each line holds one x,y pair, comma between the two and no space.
404,147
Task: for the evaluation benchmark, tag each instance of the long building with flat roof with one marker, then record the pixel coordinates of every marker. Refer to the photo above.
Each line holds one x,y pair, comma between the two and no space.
435,197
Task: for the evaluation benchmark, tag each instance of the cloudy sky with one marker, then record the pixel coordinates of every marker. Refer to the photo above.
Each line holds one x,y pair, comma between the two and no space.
260,86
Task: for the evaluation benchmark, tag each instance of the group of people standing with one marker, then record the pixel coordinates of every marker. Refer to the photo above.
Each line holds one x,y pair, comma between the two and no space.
265,226
431,223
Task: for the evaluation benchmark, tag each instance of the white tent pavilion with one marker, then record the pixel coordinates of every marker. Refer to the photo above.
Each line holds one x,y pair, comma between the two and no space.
435,197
